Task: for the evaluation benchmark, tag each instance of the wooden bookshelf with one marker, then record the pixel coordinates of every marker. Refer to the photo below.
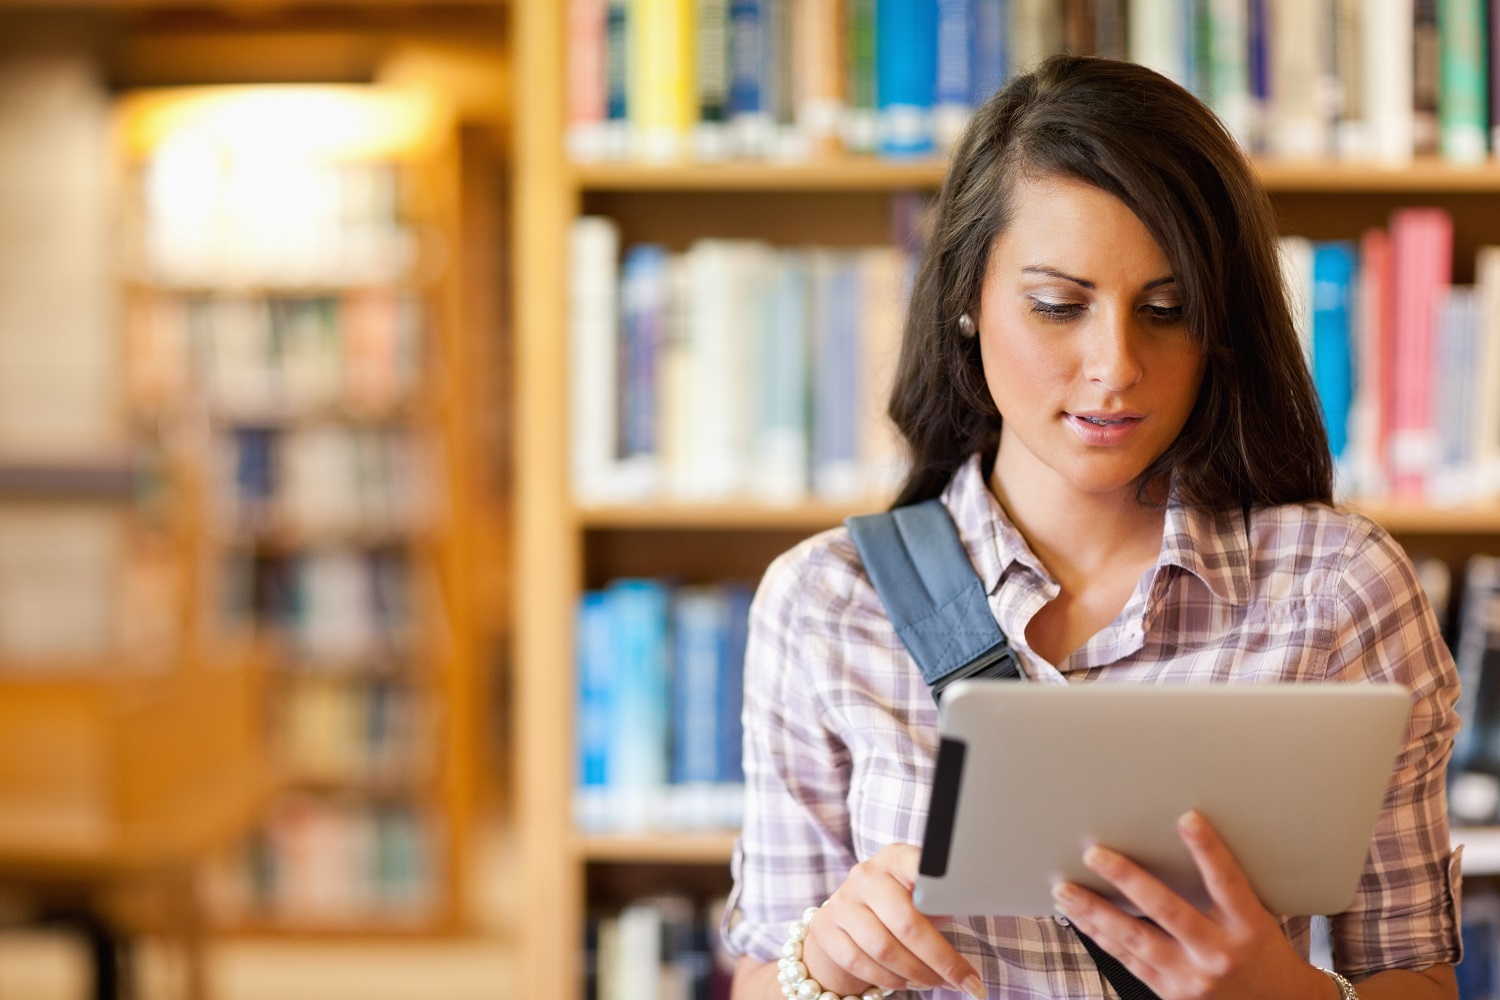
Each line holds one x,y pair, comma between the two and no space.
562,548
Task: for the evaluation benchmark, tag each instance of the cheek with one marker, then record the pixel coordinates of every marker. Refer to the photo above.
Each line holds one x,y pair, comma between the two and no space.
1020,363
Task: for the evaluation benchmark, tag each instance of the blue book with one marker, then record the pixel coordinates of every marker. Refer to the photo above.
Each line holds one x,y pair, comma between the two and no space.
989,48
1257,30
616,52
731,729
699,631
639,740
1477,972
1332,362
906,75
595,706
953,86
255,467
750,113
644,294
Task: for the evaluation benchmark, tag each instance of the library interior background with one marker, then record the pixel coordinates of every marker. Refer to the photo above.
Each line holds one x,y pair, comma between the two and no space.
400,400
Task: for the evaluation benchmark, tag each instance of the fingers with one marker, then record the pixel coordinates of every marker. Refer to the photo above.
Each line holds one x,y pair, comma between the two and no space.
1145,950
1221,872
876,933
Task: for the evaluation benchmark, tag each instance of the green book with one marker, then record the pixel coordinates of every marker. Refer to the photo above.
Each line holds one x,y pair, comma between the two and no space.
1462,114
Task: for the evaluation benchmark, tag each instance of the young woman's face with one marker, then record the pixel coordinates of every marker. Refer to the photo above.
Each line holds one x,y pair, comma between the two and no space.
1085,349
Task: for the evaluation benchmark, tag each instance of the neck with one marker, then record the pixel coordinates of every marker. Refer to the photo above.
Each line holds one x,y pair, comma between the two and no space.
1074,532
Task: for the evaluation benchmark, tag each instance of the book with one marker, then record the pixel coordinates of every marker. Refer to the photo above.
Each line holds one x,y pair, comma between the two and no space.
780,445
861,122
1229,69
639,749
712,63
593,320
1333,267
1036,32
953,90
906,75
1155,38
1455,367
1369,428
751,118
836,474
1422,251
1298,125
818,53
1351,139
618,28
595,712
1487,373
662,80
645,287
1388,62
588,80
1477,656
1462,93
989,48
1479,972
1426,76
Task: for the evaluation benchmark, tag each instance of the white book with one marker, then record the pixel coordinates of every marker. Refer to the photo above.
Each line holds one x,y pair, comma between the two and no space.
1229,28
675,365
1351,130
1386,28
1487,429
716,418
1296,273
1299,123
593,352
1155,38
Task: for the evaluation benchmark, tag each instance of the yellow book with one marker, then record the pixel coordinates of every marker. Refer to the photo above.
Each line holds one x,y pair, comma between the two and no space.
663,82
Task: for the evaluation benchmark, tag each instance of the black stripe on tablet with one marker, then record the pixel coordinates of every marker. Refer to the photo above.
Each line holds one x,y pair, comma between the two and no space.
943,808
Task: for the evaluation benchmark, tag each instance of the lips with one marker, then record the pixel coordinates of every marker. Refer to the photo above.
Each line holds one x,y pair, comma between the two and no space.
1104,419
1104,429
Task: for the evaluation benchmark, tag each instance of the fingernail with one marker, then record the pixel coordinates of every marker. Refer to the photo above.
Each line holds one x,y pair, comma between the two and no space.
975,987
1101,859
1191,823
1065,894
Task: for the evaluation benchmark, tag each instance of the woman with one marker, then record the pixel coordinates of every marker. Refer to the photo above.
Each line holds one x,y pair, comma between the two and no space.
1101,379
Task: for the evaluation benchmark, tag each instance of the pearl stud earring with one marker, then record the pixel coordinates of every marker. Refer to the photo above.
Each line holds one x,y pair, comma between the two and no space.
966,325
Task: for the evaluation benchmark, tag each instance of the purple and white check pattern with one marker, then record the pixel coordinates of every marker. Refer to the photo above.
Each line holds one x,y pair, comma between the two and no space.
841,730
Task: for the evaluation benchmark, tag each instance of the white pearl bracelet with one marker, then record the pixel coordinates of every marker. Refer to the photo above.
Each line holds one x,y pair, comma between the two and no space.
793,973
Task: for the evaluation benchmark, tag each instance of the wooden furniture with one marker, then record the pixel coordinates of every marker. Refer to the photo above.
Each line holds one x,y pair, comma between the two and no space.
561,549
115,785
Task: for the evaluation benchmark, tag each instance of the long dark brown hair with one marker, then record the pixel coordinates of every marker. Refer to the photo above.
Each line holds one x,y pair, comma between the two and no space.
1255,435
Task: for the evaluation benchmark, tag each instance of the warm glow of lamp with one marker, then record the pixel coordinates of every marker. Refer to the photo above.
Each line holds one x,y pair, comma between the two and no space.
332,122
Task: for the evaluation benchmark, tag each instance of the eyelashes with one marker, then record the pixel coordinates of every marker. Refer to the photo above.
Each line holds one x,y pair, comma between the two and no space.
1062,311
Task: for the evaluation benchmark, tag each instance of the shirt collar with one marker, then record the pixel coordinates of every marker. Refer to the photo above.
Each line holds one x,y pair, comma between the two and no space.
1213,546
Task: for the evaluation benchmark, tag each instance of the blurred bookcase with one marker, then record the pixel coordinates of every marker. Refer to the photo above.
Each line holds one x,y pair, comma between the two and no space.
565,547
290,313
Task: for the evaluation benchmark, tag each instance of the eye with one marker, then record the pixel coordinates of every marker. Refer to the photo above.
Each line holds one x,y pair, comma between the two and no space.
1164,314
1056,311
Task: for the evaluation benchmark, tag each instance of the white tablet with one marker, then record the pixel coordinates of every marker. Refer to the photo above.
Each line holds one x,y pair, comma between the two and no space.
1029,775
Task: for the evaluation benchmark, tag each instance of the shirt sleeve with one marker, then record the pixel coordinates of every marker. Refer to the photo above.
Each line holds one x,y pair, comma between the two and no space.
793,851
1404,914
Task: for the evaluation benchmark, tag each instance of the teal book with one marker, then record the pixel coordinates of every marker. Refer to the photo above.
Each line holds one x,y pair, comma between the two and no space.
1333,367
1463,117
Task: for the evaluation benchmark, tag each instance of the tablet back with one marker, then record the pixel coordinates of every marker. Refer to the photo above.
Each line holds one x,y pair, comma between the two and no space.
1029,775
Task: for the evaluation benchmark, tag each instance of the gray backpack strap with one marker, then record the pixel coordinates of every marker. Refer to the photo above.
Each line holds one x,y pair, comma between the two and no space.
919,567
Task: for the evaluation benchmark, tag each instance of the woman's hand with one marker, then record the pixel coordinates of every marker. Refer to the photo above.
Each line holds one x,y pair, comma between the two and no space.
1234,950
870,934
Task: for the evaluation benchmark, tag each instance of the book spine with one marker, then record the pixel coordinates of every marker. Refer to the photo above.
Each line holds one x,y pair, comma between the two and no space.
1229,72
989,53
710,130
1333,276
1454,366
1109,29
1155,37
1487,429
779,78
751,124
710,468
639,731
1492,54
1422,248
1388,43
1298,127
836,470
861,127
953,85
662,77
1079,36
882,305
819,72
906,75
1351,130
1426,76
699,631
618,45
593,343
731,730
587,80
645,285
1036,32
1367,432
1461,99
781,415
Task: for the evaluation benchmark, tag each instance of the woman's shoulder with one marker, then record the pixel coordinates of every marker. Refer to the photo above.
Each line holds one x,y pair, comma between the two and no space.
825,563
1342,546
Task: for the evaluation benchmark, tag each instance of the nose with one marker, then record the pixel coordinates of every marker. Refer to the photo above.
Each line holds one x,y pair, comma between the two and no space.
1112,360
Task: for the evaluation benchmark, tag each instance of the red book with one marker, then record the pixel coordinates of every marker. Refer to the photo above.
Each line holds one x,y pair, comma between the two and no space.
1422,255
1374,357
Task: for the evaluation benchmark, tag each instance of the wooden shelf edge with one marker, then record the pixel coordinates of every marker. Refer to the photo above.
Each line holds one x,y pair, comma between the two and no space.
1422,175
709,516
708,847
1423,518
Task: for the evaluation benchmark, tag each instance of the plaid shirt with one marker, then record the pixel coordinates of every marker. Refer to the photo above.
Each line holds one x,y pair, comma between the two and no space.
841,730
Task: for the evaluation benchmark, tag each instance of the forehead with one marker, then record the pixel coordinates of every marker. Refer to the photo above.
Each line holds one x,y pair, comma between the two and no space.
1067,224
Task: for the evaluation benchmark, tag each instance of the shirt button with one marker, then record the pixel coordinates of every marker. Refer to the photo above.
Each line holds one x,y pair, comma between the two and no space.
1062,921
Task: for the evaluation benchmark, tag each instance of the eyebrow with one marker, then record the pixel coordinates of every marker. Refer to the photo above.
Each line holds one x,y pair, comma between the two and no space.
1084,282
